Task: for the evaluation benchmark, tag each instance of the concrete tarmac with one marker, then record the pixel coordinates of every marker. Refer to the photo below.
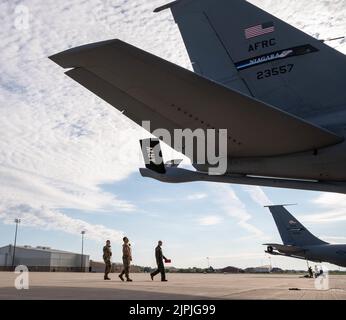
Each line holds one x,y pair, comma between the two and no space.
85,286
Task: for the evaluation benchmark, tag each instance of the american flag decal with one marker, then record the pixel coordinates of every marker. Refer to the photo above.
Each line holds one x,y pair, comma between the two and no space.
259,30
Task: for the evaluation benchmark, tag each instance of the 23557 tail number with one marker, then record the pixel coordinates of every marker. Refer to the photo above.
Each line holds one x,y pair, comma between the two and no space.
275,71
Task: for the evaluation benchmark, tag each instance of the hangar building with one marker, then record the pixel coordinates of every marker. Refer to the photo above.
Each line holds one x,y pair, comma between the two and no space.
43,259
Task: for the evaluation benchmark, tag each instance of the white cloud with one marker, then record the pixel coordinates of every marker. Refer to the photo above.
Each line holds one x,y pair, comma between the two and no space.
59,142
334,239
330,200
258,195
47,219
26,187
235,208
37,200
191,197
197,196
330,207
210,220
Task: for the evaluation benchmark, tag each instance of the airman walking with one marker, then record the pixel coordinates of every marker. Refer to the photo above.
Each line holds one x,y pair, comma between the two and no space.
107,256
127,258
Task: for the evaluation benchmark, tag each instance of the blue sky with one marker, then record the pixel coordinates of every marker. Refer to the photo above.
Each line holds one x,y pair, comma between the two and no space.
69,162
178,215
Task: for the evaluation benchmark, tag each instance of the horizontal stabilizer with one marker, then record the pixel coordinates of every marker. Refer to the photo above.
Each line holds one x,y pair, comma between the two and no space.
284,248
146,87
166,6
180,175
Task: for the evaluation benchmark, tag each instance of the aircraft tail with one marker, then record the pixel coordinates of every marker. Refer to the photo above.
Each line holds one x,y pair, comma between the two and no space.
245,48
292,232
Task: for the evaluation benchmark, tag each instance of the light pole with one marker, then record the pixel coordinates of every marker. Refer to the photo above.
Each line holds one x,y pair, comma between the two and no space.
17,221
270,264
81,259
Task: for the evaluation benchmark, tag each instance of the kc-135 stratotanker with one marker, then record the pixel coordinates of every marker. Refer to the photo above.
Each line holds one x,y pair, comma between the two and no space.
280,93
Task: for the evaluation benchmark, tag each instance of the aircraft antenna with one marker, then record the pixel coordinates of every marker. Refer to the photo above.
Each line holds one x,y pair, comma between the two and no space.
332,39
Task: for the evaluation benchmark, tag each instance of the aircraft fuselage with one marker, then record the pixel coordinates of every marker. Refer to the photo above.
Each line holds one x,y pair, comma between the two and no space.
327,164
331,253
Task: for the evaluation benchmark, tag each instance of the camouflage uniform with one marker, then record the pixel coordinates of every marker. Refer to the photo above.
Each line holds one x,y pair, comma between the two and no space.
127,258
107,255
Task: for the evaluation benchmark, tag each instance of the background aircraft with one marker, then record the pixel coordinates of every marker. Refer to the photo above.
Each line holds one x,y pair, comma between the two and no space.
299,243
279,92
